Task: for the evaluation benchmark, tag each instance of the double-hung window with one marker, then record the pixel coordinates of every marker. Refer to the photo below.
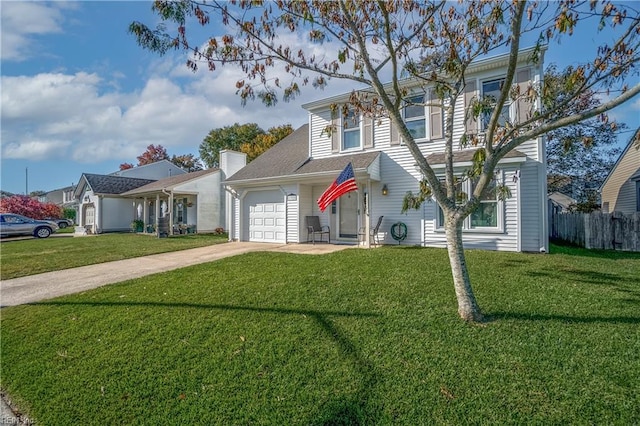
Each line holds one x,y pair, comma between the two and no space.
414,117
351,131
491,91
486,215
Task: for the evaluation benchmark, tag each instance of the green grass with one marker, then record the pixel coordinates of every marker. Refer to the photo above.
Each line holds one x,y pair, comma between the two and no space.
35,256
355,337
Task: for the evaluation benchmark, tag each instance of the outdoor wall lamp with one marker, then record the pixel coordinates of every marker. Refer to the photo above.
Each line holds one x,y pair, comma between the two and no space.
385,190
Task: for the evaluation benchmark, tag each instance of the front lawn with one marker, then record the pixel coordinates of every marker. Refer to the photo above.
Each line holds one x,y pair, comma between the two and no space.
35,256
355,337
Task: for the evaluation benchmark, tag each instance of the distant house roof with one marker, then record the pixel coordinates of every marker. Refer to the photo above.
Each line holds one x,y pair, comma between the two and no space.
561,200
168,183
170,168
108,184
290,157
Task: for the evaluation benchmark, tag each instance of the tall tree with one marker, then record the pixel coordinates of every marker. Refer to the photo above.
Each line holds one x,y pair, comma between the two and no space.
579,156
125,166
188,162
264,141
153,154
228,137
432,43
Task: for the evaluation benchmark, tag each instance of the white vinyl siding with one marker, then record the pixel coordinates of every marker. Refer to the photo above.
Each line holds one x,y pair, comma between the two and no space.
521,223
530,215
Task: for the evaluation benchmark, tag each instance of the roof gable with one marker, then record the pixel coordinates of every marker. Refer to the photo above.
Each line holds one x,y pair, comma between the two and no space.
108,184
635,138
280,160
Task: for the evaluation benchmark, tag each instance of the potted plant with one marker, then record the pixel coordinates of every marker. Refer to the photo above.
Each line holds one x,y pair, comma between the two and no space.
137,225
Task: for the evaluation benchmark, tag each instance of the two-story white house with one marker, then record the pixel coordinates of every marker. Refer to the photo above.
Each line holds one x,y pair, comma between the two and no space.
273,194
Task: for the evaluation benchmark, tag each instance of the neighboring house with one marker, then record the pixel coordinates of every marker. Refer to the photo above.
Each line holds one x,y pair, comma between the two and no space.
560,203
621,189
63,197
158,170
274,193
102,207
197,199
110,203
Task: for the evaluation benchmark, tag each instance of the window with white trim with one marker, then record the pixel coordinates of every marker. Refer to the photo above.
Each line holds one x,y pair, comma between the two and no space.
351,132
491,89
488,214
414,117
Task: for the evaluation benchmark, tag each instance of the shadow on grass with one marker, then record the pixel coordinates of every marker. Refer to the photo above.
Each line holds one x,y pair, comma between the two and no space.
494,316
354,410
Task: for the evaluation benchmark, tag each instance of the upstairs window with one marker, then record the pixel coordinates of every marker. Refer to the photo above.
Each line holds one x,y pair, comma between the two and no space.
491,90
414,117
351,131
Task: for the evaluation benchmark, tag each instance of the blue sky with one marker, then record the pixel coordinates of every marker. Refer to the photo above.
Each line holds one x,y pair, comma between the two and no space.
79,95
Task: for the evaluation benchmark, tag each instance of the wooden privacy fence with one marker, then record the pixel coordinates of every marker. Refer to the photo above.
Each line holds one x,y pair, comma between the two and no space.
609,231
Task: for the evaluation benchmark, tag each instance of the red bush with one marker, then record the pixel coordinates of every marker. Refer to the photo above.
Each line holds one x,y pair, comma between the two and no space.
30,207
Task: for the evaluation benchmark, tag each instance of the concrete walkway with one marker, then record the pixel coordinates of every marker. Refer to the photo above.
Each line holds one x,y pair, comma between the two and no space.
34,288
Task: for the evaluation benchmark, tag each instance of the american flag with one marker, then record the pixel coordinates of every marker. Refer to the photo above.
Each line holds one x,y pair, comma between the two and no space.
346,182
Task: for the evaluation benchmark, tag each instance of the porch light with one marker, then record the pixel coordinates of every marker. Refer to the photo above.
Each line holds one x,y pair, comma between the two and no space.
385,190
292,197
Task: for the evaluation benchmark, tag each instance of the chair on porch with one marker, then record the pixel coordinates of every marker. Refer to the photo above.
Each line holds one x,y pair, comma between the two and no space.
373,232
314,228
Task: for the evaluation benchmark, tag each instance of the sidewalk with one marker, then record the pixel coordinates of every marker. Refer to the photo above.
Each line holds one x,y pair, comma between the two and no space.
34,288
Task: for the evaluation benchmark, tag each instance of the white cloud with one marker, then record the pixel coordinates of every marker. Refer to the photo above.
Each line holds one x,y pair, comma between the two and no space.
87,118
23,20
35,149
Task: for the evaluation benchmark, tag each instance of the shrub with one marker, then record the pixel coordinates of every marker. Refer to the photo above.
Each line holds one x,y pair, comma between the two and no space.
30,207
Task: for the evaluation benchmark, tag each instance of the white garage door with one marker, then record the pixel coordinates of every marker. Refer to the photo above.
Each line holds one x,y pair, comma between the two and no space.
267,217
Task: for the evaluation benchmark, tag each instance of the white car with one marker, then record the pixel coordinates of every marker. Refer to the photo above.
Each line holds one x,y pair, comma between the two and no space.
15,224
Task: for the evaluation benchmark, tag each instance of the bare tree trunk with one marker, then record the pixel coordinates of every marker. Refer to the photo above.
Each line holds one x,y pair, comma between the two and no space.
468,308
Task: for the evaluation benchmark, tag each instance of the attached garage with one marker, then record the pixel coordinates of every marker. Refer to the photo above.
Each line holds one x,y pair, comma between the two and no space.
265,213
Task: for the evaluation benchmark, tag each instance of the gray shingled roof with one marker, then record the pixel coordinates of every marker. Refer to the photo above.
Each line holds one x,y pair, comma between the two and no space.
466,156
106,184
169,183
290,157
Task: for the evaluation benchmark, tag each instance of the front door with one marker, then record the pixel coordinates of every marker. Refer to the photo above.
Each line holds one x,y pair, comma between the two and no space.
348,215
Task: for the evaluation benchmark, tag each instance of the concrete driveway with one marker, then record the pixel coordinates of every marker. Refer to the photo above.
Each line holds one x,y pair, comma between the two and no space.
39,287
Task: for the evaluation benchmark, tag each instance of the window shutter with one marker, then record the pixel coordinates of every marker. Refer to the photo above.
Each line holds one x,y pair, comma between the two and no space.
335,134
367,128
435,117
523,106
395,135
470,123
